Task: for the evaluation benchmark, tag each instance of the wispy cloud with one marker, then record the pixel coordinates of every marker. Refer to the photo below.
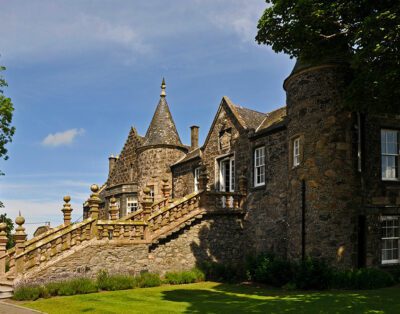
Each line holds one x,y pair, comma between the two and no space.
62,138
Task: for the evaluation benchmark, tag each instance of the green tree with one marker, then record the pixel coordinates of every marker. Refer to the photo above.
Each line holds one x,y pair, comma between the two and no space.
10,228
6,113
365,33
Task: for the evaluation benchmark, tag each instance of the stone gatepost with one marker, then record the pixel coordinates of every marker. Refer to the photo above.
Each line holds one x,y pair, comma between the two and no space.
94,202
113,208
67,210
3,244
20,238
166,189
146,204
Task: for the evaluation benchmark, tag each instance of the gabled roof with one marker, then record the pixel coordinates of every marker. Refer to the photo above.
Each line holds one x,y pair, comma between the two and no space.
273,118
247,118
127,159
162,129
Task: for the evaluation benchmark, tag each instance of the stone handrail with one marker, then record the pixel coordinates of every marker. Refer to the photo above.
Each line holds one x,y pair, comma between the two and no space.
174,211
49,248
127,230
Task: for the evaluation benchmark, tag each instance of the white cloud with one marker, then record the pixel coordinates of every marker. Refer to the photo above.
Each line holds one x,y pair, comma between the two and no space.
62,138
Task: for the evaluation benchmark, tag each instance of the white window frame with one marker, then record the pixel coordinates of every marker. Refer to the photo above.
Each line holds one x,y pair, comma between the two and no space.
385,155
132,204
222,171
152,194
259,166
296,152
392,238
196,175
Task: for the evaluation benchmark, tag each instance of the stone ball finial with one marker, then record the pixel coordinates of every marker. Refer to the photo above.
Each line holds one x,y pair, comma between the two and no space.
165,179
3,226
113,200
67,198
20,220
94,188
146,190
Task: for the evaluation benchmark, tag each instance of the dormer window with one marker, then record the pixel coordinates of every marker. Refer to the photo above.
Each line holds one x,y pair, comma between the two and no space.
390,153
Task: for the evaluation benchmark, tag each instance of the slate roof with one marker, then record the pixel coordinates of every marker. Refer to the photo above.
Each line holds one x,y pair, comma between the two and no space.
272,119
195,153
248,118
162,129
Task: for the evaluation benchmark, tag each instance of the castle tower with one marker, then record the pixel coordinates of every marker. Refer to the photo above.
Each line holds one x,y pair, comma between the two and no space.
161,148
323,194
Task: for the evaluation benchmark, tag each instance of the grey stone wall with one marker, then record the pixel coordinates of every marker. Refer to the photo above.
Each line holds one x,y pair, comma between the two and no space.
266,219
183,178
153,165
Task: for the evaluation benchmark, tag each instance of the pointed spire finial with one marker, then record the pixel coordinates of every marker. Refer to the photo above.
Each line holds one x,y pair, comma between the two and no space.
163,88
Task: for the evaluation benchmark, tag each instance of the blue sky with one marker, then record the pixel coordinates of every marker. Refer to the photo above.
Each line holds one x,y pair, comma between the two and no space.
81,73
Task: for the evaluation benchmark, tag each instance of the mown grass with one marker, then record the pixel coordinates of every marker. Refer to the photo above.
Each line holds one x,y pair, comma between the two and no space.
210,297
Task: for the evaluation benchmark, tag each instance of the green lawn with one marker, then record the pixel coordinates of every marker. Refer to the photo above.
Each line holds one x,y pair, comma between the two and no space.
210,297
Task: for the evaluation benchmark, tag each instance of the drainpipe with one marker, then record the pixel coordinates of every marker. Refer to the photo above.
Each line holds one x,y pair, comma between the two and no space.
303,220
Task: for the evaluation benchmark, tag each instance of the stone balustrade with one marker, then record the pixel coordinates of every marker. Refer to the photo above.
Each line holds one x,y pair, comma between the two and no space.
141,227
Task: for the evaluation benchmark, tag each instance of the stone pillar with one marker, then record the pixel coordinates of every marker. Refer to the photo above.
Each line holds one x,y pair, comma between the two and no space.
243,185
3,244
166,188
146,204
203,179
20,238
67,210
113,208
94,202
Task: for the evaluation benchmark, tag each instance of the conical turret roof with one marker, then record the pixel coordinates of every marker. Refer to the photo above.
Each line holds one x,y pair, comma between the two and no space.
162,129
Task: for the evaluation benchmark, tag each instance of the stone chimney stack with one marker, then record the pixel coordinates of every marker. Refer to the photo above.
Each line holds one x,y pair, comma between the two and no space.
111,163
194,137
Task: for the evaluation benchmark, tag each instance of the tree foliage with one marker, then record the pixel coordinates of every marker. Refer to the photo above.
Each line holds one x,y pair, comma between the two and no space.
364,32
6,113
10,228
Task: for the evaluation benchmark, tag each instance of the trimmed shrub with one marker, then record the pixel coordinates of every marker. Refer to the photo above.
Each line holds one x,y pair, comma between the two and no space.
114,282
146,280
364,278
268,269
220,272
312,274
77,286
28,292
184,277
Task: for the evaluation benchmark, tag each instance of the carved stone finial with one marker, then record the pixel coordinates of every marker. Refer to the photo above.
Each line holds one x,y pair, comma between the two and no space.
3,227
67,210
94,188
20,220
163,94
94,201
113,208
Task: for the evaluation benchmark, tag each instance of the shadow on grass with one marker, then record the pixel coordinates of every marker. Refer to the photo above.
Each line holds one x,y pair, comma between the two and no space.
243,299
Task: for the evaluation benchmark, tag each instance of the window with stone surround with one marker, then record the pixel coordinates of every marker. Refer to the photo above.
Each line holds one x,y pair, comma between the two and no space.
196,178
296,152
131,204
390,150
390,239
259,166
151,187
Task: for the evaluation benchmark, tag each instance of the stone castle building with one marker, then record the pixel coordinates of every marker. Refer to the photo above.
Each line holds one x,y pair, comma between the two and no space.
307,179
320,181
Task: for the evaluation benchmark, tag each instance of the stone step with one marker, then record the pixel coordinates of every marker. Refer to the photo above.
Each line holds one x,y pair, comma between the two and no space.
6,291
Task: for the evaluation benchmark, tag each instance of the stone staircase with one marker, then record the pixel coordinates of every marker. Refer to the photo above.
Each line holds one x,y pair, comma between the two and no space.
151,225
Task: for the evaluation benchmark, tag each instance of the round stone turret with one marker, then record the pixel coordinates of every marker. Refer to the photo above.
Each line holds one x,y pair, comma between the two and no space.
322,179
